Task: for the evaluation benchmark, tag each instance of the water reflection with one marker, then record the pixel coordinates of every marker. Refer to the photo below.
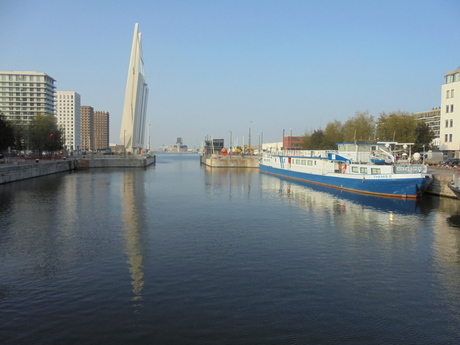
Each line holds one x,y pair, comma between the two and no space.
29,220
133,200
428,227
218,180
447,252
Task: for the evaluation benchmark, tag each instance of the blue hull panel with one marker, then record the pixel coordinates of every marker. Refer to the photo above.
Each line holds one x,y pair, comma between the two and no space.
396,187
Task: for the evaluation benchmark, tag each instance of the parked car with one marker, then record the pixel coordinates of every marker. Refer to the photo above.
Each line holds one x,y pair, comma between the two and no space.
451,162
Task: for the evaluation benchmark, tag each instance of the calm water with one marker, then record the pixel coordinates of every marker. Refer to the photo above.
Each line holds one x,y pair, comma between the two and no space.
182,254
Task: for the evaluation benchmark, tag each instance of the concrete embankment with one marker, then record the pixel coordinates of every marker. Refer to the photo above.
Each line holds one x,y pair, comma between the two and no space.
230,161
16,170
131,162
31,169
441,178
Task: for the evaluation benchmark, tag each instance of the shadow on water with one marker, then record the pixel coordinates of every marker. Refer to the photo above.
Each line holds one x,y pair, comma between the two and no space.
454,221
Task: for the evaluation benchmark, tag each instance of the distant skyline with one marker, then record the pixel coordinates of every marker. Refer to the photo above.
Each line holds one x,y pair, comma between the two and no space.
215,66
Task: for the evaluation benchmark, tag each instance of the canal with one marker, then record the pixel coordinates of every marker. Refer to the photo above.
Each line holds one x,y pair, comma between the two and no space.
181,253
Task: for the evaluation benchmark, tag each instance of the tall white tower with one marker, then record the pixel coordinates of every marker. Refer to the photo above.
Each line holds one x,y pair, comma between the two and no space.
68,118
135,107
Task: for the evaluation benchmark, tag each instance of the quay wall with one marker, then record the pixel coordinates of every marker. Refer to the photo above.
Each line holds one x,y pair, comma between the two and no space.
217,161
23,171
143,162
441,178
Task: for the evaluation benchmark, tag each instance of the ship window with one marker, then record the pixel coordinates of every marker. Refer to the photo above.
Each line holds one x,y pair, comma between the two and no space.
304,162
363,170
309,162
354,169
376,171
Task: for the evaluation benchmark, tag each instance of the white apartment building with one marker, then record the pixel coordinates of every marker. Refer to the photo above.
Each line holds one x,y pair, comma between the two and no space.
25,94
68,118
433,119
450,114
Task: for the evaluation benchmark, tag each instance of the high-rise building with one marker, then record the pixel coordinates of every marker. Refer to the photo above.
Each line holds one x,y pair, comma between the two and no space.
101,129
450,114
87,128
25,94
68,118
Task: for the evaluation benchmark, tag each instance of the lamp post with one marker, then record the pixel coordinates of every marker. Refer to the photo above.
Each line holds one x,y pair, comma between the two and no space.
230,144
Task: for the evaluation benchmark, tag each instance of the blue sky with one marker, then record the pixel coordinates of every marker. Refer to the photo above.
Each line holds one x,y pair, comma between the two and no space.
215,66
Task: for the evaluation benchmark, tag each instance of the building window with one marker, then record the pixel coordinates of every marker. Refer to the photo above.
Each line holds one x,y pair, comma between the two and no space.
447,108
447,123
446,137
450,137
448,94
451,122
451,108
452,93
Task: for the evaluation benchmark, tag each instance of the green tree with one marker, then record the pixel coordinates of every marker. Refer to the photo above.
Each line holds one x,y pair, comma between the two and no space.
44,134
359,128
6,134
306,141
317,140
396,126
423,136
333,134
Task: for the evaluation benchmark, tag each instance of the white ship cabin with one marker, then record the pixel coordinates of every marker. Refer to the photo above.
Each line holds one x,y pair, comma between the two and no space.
366,153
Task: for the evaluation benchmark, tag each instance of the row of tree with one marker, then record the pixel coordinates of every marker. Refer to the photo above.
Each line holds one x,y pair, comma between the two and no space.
41,134
362,127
